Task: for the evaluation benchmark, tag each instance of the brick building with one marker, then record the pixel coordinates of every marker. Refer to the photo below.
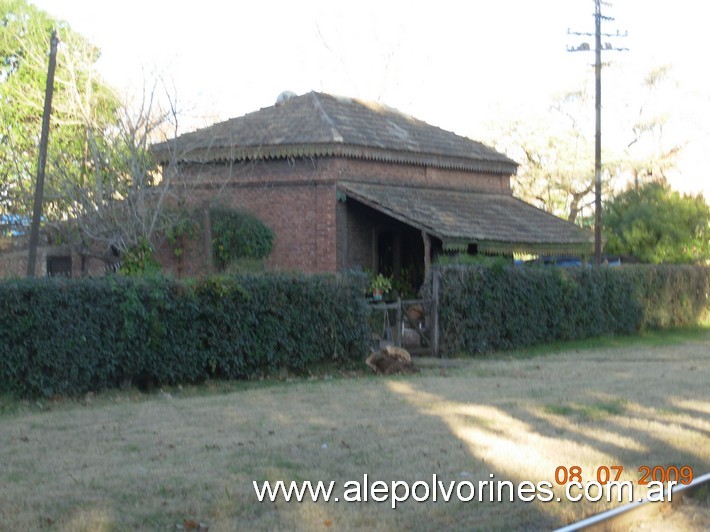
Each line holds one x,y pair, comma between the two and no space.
51,260
346,184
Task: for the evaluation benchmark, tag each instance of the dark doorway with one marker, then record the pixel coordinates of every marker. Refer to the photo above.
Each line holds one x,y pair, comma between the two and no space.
59,266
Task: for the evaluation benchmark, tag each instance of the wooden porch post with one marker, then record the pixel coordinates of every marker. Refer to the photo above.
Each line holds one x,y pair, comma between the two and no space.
427,253
435,311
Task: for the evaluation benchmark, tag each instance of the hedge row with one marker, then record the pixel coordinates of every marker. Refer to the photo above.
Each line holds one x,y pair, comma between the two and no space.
485,309
67,337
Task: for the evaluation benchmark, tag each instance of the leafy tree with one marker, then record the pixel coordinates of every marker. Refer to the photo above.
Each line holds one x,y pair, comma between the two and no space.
555,151
104,194
648,155
82,106
657,224
556,166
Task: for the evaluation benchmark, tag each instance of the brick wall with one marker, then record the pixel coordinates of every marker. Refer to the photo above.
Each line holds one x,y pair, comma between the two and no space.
402,174
327,169
296,199
13,263
362,226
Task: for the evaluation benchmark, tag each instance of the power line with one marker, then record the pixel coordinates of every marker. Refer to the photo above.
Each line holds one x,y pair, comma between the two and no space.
598,48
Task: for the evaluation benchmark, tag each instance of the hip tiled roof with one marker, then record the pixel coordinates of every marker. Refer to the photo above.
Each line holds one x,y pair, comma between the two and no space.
316,124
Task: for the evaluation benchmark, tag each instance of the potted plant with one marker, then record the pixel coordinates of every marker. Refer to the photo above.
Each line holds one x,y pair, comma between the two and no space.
379,285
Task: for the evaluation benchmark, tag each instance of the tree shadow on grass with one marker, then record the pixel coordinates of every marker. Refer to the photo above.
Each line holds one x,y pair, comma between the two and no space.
165,460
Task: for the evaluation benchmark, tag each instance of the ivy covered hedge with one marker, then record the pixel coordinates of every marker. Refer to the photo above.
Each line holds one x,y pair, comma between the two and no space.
67,337
502,307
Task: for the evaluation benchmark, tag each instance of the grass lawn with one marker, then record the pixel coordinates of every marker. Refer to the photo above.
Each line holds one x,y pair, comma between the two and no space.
127,461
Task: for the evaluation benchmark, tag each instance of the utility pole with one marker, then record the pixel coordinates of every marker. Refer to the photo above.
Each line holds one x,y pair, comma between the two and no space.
584,47
42,157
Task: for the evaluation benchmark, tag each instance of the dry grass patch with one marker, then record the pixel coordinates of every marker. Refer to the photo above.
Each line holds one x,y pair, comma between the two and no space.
125,461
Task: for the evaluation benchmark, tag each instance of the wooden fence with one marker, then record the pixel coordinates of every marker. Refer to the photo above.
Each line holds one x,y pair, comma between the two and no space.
418,315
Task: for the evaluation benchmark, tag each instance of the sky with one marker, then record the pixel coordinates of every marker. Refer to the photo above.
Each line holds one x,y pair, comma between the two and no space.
462,66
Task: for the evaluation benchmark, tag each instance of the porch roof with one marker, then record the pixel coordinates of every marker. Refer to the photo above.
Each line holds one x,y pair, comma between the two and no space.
496,223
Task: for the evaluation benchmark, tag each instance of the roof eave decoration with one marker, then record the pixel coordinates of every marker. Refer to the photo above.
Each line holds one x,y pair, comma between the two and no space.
519,248
233,154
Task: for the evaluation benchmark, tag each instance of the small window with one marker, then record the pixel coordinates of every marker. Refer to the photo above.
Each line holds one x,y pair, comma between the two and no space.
59,266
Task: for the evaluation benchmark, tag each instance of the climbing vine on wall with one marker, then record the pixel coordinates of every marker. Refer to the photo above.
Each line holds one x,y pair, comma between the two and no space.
185,229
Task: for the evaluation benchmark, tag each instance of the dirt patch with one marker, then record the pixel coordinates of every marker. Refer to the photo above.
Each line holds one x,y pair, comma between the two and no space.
391,360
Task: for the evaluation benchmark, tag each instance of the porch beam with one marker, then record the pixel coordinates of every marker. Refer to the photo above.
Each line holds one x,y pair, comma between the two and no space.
427,252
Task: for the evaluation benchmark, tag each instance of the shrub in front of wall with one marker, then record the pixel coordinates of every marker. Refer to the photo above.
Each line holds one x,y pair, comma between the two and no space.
256,324
71,336
238,234
159,337
56,337
673,295
67,337
504,307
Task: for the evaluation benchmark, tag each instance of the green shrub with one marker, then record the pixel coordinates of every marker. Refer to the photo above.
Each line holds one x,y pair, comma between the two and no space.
70,336
504,307
238,235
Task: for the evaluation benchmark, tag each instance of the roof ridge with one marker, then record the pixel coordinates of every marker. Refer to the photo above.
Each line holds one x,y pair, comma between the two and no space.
337,137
